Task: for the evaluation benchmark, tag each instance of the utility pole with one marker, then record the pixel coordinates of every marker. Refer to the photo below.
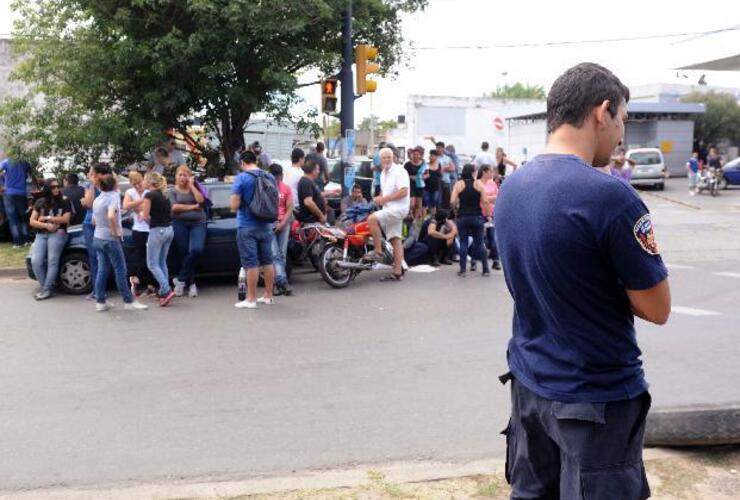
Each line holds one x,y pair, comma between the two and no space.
347,112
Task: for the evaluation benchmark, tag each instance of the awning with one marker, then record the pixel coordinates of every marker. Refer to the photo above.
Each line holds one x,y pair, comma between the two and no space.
731,63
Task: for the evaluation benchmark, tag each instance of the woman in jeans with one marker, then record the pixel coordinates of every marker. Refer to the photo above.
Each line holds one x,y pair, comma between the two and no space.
88,229
156,210
133,200
468,196
485,175
107,242
189,224
50,217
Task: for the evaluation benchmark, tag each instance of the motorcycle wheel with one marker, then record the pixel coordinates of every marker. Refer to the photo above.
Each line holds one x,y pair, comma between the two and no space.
335,276
715,188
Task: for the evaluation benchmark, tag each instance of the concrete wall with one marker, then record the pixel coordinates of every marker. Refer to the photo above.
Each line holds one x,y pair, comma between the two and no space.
531,135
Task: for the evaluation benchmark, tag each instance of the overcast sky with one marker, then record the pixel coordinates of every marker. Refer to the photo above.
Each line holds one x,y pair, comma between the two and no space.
435,69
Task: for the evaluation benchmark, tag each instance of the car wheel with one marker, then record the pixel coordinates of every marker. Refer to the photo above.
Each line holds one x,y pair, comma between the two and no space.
661,186
75,277
723,184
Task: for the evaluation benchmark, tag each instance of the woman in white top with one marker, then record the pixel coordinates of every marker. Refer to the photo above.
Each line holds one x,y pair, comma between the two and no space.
141,278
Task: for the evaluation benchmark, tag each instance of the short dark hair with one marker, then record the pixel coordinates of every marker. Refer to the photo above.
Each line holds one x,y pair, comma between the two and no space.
579,90
356,186
107,183
441,216
433,152
467,171
484,146
309,166
440,144
237,144
72,179
482,170
248,157
276,170
320,147
102,169
162,152
296,155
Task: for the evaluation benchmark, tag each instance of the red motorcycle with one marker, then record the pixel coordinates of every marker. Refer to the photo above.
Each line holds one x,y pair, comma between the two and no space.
307,242
342,258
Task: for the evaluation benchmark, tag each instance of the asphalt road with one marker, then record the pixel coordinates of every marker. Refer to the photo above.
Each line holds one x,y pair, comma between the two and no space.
374,373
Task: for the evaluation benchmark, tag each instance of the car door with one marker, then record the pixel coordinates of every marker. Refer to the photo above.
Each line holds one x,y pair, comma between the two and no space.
221,255
732,172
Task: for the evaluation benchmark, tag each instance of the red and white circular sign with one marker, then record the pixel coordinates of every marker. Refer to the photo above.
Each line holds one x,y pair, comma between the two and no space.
498,123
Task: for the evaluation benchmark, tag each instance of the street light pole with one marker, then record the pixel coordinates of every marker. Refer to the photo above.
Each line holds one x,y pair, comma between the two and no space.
347,112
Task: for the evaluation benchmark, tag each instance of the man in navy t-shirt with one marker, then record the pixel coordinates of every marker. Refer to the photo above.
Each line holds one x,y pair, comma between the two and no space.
254,237
15,199
580,260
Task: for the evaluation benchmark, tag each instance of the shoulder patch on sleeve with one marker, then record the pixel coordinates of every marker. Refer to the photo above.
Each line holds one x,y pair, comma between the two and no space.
645,235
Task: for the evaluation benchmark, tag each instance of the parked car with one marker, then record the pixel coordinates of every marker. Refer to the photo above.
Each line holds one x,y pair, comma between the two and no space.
649,168
220,258
730,174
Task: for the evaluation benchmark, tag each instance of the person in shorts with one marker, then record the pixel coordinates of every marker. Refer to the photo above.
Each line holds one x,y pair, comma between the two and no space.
395,199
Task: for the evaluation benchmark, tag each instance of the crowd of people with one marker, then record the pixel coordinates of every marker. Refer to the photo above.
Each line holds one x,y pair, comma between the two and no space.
432,210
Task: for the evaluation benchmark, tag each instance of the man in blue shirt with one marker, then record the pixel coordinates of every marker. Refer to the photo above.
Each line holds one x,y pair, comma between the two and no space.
254,236
580,259
15,198
692,166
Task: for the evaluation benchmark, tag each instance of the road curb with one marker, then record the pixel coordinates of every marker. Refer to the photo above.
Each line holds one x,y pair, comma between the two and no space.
13,272
220,487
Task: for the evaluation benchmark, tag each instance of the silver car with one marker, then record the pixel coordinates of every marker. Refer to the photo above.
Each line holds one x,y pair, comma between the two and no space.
649,167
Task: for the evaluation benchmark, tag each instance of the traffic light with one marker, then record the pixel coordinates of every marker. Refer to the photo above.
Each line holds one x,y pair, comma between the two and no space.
363,55
329,96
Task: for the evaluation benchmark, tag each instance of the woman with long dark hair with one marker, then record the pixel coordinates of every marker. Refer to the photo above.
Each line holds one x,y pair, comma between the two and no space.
468,197
50,218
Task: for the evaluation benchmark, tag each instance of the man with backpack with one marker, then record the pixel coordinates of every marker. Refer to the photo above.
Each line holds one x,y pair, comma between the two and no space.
254,198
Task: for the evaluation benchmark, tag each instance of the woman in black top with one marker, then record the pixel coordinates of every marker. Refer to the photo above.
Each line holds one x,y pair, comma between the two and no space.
468,197
414,167
50,217
157,210
432,183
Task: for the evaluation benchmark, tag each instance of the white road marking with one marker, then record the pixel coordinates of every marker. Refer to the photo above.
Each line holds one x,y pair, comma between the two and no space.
678,266
729,275
690,311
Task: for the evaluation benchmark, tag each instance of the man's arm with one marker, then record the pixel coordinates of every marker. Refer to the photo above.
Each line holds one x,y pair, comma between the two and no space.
314,209
398,195
653,304
235,202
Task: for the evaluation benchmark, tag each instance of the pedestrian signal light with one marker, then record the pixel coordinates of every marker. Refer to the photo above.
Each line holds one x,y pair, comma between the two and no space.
329,96
364,55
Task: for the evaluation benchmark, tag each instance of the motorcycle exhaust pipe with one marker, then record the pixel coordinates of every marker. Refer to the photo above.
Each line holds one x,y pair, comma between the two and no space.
353,265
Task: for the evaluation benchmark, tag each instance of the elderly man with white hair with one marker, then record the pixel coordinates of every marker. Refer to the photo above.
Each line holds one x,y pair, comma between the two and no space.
395,200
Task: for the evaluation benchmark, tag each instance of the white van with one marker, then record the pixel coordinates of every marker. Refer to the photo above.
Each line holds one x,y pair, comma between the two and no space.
648,168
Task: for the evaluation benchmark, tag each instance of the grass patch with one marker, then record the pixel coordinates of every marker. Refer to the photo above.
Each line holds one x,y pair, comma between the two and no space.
12,257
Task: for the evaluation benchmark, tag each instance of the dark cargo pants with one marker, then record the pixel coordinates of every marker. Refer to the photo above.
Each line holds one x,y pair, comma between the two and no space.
575,451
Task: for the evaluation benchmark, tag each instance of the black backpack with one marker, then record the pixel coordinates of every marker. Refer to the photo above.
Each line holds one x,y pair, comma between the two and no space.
264,202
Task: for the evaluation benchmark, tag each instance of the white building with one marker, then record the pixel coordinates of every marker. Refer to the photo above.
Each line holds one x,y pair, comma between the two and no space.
670,92
667,126
464,122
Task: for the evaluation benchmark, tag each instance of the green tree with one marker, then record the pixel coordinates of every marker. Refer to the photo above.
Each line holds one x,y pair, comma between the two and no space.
114,74
519,91
380,125
721,120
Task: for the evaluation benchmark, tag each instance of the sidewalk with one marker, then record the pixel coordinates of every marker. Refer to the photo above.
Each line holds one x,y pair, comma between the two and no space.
702,474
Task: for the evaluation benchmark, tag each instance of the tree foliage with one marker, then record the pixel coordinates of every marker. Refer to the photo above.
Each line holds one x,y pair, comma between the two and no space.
117,73
721,120
380,125
519,91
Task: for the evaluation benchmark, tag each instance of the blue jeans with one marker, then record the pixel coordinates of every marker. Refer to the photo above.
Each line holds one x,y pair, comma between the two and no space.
279,251
190,238
255,246
491,241
471,225
157,248
431,198
16,206
88,231
45,255
111,258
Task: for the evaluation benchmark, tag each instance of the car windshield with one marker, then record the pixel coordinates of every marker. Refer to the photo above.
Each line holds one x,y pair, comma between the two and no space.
648,158
220,196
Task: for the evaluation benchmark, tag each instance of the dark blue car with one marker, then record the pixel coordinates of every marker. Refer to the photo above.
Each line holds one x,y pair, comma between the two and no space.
220,257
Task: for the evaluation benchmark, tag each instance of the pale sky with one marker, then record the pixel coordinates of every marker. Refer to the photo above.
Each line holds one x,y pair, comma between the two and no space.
434,69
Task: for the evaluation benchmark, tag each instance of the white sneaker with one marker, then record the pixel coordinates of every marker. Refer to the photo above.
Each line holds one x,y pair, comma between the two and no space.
244,304
193,291
103,307
179,287
135,306
266,301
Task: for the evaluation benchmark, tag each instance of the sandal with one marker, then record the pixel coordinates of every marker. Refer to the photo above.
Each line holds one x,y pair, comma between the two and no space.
392,277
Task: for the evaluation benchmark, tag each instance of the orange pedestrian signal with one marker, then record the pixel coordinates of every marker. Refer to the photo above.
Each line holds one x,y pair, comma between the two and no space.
329,96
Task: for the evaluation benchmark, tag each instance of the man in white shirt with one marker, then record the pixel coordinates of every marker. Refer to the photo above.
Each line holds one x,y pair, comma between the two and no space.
395,199
292,175
484,157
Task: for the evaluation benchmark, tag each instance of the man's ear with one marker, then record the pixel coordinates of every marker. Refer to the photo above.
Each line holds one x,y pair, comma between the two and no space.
601,112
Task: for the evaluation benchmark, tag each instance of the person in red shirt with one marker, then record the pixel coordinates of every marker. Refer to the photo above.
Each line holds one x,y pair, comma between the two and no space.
282,231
